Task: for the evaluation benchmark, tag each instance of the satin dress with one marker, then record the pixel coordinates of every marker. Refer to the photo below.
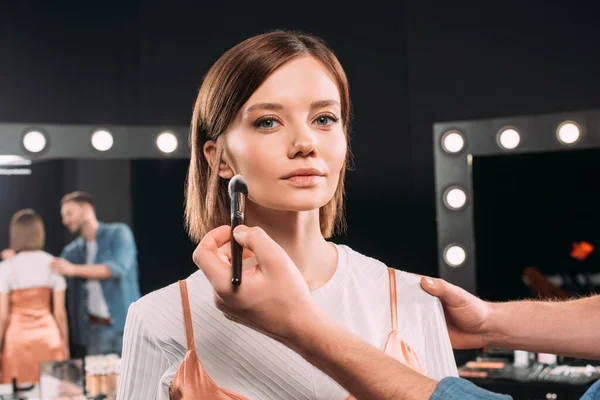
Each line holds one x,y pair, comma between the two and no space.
32,336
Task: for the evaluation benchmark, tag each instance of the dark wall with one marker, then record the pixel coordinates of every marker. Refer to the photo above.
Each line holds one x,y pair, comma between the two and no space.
409,65
469,60
165,253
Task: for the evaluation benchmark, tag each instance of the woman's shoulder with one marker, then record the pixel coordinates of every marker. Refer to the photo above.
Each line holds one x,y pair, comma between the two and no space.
156,300
359,262
169,297
408,285
409,289
35,259
45,256
37,255
161,311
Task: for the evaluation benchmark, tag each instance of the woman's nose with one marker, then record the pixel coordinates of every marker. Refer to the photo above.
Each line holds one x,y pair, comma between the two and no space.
303,144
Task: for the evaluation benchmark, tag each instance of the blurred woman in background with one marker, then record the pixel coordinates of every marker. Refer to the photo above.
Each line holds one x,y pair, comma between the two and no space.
33,317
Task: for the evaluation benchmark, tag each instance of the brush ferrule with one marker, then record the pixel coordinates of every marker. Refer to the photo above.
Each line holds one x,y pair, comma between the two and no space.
238,205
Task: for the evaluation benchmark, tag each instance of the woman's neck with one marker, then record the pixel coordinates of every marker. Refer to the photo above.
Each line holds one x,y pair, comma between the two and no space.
299,234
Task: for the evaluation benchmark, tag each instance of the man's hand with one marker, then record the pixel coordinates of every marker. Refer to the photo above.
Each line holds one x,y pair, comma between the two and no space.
467,316
7,254
62,267
273,297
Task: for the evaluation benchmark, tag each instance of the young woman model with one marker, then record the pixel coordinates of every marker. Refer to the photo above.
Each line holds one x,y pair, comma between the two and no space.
275,108
33,316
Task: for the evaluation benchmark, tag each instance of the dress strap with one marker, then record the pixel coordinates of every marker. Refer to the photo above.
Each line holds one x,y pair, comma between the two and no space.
187,315
393,298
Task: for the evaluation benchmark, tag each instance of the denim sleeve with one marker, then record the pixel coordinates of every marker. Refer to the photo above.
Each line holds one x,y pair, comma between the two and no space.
452,388
65,254
593,392
124,252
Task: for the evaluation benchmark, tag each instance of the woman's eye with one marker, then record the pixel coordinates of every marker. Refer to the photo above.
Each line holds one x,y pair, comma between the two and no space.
266,123
326,120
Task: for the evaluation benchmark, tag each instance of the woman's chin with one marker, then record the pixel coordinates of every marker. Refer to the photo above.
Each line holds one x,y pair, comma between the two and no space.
281,199
295,205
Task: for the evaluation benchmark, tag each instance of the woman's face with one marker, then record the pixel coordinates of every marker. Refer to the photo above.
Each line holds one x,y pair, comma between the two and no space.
288,140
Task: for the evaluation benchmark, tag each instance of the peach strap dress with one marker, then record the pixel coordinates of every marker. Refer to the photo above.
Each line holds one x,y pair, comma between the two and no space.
32,335
191,382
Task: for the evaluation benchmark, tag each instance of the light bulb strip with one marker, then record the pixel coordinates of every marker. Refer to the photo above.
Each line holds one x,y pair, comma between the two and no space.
458,146
42,141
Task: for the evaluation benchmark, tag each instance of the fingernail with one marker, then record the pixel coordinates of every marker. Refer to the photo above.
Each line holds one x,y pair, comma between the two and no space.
239,233
430,282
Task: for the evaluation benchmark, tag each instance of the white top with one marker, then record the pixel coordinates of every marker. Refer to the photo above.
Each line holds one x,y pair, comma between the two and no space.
30,269
251,364
96,303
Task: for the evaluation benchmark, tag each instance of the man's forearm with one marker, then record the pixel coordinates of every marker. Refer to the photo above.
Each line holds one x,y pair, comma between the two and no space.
363,370
98,271
567,328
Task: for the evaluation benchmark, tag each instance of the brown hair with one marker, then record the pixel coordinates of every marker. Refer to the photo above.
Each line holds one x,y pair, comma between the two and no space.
78,197
226,88
27,231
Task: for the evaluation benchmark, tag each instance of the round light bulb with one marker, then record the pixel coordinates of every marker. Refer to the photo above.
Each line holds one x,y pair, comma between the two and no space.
569,133
453,142
455,198
509,139
167,142
102,140
455,255
34,141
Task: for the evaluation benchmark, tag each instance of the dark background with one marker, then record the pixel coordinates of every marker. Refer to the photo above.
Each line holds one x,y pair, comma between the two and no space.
410,64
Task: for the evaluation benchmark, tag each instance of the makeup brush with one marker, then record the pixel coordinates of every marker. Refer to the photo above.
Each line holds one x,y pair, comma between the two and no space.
238,191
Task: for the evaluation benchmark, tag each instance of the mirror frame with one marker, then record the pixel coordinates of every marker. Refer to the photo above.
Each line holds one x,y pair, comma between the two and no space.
538,133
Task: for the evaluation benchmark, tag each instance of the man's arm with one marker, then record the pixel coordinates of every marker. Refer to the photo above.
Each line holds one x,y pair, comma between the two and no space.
96,271
360,368
520,325
113,266
533,326
66,268
366,371
59,267
122,257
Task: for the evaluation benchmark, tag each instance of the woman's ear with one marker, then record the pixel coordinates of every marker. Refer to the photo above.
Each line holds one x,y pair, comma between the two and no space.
217,160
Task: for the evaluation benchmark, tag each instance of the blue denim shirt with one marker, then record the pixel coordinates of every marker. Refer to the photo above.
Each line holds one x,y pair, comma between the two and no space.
460,389
118,251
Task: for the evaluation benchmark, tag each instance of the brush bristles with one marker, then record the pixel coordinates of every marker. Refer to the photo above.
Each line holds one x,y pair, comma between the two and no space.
238,184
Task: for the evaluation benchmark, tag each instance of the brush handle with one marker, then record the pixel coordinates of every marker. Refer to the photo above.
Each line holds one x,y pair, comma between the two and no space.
236,251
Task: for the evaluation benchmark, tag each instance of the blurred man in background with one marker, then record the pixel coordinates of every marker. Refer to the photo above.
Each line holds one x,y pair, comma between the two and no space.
101,266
